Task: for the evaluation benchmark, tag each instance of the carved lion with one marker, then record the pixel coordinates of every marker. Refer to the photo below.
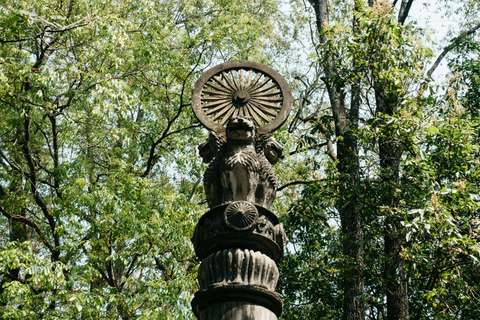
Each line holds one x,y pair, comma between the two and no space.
240,167
268,151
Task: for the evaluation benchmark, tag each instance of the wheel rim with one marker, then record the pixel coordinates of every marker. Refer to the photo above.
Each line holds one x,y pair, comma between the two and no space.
241,88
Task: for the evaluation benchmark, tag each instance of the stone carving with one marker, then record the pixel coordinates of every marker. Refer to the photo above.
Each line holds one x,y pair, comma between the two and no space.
265,227
264,234
214,147
241,215
240,167
239,239
269,152
281,238
218,297
241,88
240,267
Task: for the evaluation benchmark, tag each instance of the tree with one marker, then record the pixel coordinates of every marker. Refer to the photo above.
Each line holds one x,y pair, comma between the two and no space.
372,67
98,189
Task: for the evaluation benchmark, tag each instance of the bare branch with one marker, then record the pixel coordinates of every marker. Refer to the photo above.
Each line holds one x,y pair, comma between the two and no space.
330,150
404,10
151,158
316,146
450,47
12,41
293,183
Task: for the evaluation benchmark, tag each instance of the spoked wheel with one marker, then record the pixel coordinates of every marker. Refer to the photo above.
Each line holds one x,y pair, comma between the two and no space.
245,89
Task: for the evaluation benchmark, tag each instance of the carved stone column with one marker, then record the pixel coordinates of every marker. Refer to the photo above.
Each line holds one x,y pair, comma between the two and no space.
239,240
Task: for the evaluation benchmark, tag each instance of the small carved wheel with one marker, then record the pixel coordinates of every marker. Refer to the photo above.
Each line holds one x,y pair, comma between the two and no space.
241,215
245,89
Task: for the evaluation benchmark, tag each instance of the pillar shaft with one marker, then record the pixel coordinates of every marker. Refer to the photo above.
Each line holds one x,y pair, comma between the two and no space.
238,271
239,240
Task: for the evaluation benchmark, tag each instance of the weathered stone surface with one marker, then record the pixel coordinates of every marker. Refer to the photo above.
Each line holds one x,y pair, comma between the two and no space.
239,239
268,151
212,233
241,215
239,267
216,296
208,150
241,166
237,311
241,88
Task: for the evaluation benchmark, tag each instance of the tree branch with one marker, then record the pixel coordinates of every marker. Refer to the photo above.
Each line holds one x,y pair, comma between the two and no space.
151,158
28,222
293,183
330,151
404,10
33,183
450,47
12,41
316,146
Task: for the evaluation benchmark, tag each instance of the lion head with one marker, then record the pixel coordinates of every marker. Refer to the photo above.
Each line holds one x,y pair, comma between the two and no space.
241,129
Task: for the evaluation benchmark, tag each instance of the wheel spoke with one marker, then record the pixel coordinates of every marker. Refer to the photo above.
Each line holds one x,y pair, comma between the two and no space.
214,103
253,114
217,109
214,98
216,93
235,80
267,94
235,113
227,116
220,82
230,83
263,109
249,77
259,112
269,104
254,82
246,111
219,88
263,89
221,113
242,80
268,99
259,85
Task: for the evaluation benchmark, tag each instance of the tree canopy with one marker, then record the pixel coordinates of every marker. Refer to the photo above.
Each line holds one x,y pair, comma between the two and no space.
98,184
100,187
391,229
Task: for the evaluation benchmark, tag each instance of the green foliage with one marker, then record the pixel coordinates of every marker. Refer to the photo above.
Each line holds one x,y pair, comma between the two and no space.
435,200
310,275
98,185
375,48
472,102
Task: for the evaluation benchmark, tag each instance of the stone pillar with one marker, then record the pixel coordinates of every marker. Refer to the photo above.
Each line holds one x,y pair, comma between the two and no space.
238,244
239,240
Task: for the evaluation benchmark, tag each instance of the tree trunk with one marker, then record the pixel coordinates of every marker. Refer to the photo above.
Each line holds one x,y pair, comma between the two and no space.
348,168
350,217
390,151
395,273
395,277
